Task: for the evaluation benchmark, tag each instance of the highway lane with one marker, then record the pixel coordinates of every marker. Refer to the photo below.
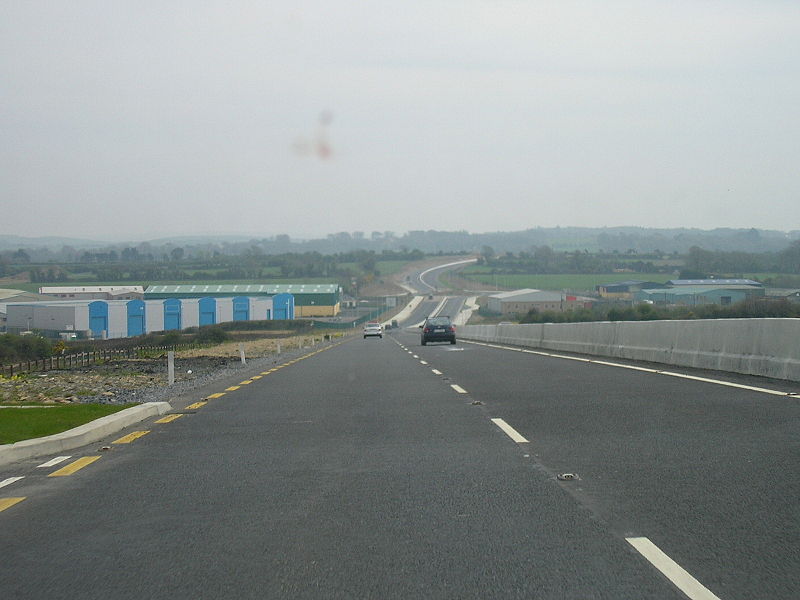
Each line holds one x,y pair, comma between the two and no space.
355,472
703,470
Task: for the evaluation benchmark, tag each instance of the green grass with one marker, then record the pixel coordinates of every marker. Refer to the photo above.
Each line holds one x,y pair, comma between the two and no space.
562,281
18,424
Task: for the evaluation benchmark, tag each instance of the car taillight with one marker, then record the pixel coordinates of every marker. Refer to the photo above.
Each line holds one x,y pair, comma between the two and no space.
453,328
427,330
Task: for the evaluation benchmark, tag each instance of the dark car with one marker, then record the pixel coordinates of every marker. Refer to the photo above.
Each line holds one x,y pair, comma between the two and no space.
438,329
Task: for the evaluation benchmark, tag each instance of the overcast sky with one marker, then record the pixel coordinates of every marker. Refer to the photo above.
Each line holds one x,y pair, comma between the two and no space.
133,120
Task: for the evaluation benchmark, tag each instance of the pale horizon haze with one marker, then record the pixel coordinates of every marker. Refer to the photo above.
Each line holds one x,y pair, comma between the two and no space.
133,120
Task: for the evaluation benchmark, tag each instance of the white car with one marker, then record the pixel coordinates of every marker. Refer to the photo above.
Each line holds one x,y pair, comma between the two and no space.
373,329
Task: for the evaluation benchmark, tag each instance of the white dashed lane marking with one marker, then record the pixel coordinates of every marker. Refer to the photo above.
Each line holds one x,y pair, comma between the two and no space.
53,462
671,570
510,431
10,480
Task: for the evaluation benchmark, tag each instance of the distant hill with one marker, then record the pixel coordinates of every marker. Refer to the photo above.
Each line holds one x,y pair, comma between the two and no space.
561,239
15,242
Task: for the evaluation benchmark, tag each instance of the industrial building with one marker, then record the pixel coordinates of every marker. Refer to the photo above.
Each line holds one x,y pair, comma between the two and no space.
625,290
127,318
726,283
692,295
12,295
94,292
310,299
519,302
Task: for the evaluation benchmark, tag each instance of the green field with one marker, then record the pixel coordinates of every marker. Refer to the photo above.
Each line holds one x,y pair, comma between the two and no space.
586,282
18,424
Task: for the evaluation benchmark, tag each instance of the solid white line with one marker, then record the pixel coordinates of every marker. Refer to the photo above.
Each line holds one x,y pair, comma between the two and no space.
436,372
10,480
458,388
727,383
610,364
671,570
634,368
571,358
510,431
54,462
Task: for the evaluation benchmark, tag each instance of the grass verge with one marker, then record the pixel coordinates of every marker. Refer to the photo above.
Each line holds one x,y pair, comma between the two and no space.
17,424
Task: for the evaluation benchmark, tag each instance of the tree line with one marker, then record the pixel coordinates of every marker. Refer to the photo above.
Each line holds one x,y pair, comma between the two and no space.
746,309
697,263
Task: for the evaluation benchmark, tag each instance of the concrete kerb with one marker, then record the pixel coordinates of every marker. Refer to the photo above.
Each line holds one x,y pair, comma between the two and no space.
82,435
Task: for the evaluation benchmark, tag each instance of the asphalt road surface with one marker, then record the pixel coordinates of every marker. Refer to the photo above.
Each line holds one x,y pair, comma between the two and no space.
378,468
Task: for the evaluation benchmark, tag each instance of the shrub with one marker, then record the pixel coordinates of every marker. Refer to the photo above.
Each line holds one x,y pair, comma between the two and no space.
14,348
212,334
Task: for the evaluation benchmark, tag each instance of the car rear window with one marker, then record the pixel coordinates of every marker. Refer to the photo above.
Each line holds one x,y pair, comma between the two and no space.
439,321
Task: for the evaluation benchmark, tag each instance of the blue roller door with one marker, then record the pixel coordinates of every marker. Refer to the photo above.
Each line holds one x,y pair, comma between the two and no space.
135,318
283,307
208,311
172,314
241,308
98,317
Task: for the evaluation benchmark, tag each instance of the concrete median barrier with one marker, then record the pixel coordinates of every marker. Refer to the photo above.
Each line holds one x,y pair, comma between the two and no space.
766,347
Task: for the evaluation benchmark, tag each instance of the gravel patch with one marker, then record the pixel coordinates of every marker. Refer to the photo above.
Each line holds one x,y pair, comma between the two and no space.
126,381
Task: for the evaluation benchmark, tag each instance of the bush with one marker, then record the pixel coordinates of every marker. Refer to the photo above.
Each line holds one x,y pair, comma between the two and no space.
212,334
173,338
15,348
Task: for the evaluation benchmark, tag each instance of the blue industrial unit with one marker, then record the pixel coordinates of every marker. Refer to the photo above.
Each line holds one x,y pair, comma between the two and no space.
172,314
241,308
98,317
127,318
208,311
135,317
283,307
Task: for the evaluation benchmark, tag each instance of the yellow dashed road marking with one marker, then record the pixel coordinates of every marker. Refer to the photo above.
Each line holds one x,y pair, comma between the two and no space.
169,418
196,405
127,439
256,377
233,388
74,466
246,382
217,395
9,502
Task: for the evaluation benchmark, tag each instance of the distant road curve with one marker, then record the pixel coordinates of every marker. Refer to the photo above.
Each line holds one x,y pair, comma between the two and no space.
443,268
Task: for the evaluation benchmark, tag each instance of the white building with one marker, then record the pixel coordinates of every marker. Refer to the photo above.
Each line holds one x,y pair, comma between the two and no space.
127,318
97,292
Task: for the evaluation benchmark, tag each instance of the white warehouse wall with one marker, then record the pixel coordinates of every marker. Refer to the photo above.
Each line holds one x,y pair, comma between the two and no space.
153,315
190,312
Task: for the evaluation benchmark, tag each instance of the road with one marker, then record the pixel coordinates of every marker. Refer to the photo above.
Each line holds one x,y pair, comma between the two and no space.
375,469
426,281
